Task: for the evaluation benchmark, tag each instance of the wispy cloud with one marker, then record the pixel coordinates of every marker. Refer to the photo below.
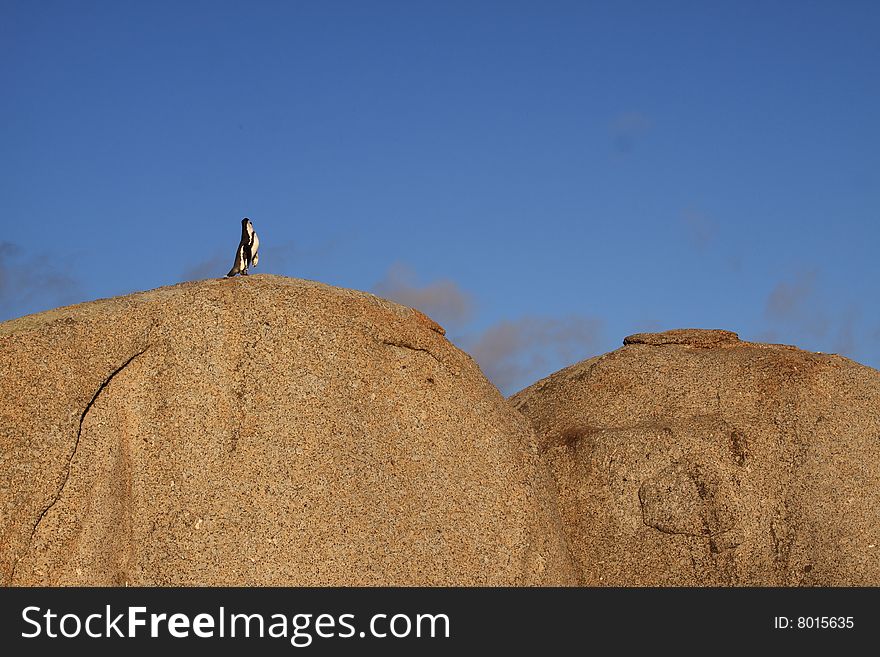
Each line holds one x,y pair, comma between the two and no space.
799,314
845,342
794,302
214,267
699,227
33,282
443,300
627,128
786,301
512,352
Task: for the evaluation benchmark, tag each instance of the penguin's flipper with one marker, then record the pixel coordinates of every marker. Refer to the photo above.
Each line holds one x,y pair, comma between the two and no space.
239,264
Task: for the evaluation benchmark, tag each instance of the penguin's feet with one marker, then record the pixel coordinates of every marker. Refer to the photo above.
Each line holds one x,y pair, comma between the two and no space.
244,272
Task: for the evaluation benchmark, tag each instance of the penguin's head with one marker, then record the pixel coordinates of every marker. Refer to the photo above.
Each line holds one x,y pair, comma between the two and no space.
246,222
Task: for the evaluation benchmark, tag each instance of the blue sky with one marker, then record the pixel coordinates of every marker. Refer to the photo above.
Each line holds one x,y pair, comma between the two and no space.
543,178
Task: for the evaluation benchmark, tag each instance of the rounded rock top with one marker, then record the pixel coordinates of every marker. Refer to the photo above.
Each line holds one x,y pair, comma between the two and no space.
704,338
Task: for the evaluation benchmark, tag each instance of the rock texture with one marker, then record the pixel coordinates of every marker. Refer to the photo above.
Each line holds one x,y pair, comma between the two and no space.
691,458
262,431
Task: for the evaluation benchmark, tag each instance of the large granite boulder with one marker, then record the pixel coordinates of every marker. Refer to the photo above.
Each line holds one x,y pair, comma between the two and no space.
692,458
262,431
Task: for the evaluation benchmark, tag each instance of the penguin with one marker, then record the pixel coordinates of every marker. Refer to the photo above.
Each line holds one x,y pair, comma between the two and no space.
246,256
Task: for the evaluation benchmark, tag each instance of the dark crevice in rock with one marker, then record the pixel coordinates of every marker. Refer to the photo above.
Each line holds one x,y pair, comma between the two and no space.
403,345
70,458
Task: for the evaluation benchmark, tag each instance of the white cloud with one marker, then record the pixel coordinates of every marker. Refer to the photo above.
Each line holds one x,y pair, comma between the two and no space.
441,300
512,352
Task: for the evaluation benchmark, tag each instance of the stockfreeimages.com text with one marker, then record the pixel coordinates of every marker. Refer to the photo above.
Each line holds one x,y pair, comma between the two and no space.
300,629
